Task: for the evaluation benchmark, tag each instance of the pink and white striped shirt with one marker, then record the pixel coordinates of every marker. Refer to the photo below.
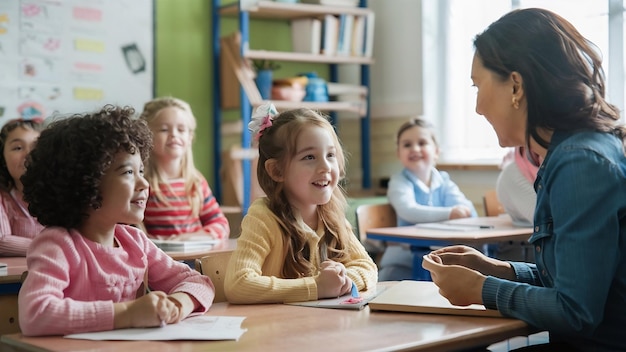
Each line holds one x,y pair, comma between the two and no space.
17,226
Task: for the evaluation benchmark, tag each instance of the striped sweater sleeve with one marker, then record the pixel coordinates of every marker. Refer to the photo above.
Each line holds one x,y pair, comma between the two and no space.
211,216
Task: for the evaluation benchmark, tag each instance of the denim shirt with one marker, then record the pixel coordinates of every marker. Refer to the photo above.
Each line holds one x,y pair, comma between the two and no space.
577,289
414,202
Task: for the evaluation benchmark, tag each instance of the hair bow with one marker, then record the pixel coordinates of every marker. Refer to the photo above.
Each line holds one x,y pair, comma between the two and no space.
262,119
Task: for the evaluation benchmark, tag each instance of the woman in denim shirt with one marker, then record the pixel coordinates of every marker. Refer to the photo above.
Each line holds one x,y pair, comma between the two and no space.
540,84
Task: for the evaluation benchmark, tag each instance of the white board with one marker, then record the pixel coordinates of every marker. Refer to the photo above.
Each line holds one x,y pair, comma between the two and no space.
72,56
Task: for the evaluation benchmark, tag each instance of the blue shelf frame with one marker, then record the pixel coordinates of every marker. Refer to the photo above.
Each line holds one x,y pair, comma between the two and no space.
246,108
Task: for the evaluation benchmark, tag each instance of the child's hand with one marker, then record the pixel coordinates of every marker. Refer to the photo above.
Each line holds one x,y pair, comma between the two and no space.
153,309
460,211
332,280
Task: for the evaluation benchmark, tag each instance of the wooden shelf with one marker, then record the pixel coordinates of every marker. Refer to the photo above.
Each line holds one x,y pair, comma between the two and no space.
278,10
304,57
245,76
352,106
236,68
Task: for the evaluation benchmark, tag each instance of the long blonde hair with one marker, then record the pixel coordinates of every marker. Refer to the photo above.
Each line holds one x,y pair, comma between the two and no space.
190,174
278,142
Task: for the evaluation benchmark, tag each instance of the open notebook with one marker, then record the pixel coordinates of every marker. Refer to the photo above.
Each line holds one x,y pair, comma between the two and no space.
423,297
343,302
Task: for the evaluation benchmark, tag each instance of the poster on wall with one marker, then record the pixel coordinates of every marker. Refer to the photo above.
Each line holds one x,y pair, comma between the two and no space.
60,57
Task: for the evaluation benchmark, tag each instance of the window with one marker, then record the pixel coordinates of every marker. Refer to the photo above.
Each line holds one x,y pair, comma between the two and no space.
448,30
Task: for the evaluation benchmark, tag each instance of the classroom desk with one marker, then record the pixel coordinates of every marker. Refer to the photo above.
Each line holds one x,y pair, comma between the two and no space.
417,237
10,283
277,327
15,267
228,245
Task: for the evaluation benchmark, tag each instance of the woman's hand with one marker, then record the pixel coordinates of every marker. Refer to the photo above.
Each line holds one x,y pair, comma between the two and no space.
473,259
460,285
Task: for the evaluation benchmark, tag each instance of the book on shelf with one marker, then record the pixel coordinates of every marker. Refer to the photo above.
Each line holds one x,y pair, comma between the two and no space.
306,35
358,36
368,40
330,34
346,24
185,246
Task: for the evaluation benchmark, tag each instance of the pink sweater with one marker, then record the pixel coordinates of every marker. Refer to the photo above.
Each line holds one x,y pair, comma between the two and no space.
72,282
17,226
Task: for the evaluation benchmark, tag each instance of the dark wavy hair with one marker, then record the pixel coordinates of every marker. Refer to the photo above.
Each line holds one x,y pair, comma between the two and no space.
6,180
64,170
561,70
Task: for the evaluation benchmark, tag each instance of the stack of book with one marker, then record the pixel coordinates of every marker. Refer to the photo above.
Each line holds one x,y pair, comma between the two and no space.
185,246
343,35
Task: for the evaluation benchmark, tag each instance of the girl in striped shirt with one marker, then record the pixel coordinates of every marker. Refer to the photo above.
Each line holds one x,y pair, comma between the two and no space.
181,205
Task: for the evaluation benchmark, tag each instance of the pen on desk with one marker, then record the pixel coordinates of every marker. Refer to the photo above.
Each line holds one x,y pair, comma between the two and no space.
473,225
355,291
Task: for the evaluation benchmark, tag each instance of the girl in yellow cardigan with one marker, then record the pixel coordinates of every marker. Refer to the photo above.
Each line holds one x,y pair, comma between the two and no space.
296,244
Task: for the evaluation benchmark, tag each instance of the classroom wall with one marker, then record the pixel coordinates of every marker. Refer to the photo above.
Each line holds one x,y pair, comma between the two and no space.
183,66
184,69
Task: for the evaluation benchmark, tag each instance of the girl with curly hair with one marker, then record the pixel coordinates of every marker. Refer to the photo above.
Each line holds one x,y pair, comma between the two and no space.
17,226
296,244
87,270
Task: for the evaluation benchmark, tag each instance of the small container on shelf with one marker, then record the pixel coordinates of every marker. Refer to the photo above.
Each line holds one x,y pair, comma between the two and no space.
290,89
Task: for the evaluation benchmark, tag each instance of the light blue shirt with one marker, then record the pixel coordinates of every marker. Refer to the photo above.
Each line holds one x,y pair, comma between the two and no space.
577,289
414,202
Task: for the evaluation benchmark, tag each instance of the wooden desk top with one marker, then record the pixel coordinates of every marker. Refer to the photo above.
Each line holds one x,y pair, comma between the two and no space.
503,230
277,327
15,267
225,246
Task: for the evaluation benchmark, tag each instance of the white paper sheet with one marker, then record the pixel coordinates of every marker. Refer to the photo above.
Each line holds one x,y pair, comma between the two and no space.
200,327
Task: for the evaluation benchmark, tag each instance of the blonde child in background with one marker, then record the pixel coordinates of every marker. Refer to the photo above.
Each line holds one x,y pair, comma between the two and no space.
17,226
87,271
181,205
419,193
296,244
